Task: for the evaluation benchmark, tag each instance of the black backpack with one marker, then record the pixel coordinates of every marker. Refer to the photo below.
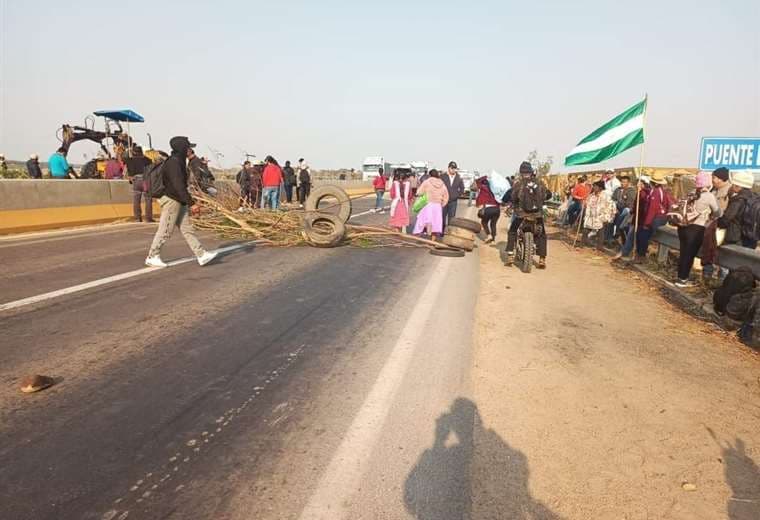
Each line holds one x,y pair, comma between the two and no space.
751,218
739,280
155,176
532,196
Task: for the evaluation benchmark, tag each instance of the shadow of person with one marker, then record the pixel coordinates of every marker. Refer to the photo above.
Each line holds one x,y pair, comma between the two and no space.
743,477
470,472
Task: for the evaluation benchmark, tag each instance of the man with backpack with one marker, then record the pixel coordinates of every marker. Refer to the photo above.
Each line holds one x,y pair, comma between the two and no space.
168,183
741,218
528,197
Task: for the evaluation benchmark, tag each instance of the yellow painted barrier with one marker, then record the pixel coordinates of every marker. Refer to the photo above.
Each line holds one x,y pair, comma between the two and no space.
24,220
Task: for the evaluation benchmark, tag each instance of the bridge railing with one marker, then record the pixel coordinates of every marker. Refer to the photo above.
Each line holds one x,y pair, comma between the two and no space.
731,256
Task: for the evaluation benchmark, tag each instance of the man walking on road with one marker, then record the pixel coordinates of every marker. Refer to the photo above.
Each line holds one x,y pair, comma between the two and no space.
174,206
455,185
136,166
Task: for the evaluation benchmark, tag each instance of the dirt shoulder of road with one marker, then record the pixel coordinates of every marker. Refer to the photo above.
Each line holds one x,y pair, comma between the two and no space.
599,399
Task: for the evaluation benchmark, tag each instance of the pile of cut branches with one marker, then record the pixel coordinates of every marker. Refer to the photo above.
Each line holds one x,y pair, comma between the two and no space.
225,216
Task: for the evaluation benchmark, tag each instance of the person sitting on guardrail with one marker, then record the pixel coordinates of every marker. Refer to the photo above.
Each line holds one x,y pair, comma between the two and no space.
721,187
599,210
578,194
731,220
659,205
624,199
628,224
699,208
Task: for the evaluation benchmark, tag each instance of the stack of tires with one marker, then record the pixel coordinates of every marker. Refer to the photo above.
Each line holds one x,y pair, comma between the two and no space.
459,237
323,229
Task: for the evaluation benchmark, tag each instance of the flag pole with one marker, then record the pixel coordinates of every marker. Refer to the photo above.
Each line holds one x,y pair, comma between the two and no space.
641,170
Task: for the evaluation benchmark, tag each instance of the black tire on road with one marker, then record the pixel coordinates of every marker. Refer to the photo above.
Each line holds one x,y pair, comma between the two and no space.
323,229
462,233
459,243
465,223
527,259
333,192
450,253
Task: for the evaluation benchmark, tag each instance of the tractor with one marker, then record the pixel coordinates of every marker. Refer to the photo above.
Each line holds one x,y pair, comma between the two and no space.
114,142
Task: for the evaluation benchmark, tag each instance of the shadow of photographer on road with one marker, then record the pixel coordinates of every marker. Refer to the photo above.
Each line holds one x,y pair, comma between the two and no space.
470,472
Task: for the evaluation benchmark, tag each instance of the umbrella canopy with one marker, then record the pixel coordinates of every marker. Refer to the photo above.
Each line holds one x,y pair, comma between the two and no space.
129,116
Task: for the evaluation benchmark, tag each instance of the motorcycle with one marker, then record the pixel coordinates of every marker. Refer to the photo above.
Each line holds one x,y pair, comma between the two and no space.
525,248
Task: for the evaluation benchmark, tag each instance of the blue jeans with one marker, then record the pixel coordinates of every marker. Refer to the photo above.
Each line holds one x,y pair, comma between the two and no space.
270,196
645,234
379,200
573,210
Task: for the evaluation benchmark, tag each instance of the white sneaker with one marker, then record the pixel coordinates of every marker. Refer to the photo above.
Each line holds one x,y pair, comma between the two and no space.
155,261
206,258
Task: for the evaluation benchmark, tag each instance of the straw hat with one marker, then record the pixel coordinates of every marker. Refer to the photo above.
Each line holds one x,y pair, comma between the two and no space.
743,179
659,178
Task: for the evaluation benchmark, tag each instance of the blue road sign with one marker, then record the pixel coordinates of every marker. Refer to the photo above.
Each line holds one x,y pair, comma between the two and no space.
734,153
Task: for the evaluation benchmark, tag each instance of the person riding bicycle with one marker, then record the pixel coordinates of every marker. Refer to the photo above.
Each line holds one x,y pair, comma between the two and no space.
528,196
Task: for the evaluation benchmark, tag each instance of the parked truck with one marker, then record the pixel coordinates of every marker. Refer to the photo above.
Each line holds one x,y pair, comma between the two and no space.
371,167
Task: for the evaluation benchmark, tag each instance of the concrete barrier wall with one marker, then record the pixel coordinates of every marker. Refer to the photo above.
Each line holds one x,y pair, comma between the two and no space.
30,204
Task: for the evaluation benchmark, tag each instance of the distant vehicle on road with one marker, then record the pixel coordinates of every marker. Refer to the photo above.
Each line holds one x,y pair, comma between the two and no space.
419,168
371,167
467,178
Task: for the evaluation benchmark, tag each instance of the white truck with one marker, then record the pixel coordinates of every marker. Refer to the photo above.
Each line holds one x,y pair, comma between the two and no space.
419,168
371,167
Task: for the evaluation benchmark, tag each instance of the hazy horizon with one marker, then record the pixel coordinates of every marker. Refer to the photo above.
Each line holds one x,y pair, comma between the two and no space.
483,83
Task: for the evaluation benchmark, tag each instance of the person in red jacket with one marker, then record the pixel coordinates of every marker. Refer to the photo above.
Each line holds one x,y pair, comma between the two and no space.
658,205
489,208
271,181
379,184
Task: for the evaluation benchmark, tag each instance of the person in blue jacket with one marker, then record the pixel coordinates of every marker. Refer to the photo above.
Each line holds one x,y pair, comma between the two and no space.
58,165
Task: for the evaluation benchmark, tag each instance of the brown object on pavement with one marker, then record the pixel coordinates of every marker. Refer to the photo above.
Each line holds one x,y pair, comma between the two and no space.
35,383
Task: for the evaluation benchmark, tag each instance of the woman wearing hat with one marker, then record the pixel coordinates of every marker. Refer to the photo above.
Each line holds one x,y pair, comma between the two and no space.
629,224
659,204
731,221
701,206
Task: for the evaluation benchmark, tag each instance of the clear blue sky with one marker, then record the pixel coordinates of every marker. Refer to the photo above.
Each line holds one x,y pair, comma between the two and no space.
334,81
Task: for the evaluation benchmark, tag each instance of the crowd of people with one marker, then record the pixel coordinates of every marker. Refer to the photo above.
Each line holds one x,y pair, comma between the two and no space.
265,184
720,209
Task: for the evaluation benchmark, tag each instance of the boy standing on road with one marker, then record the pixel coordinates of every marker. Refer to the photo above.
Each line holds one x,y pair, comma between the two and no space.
455,185
175,204
379,185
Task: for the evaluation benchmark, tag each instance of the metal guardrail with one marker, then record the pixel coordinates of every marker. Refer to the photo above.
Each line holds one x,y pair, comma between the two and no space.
731,256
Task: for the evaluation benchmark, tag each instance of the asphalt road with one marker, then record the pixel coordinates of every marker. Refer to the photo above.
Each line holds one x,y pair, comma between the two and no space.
273,383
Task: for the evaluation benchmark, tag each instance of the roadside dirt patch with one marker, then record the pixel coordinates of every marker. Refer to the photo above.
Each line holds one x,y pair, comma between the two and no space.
608,393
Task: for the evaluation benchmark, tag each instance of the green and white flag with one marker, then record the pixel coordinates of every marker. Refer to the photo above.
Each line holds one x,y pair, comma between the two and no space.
618,135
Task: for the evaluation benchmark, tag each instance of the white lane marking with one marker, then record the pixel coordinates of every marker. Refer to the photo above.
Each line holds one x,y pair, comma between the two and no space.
109,279
369,211
32,237
349,462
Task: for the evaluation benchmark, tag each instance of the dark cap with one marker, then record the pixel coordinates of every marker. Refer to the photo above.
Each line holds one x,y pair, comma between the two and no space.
526,168
721,173
180,142
453,164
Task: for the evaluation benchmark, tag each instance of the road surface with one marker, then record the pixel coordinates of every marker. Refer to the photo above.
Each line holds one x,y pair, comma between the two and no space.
330,383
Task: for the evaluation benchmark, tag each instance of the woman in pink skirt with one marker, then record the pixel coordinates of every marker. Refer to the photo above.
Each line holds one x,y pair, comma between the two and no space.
430,218
401,196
